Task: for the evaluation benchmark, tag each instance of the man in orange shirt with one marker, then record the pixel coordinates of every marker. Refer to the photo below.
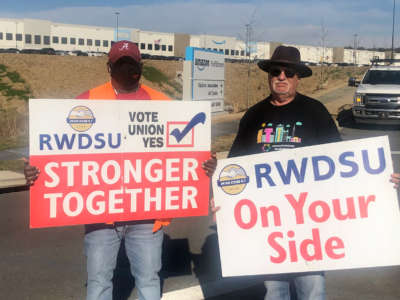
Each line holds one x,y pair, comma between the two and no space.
143,239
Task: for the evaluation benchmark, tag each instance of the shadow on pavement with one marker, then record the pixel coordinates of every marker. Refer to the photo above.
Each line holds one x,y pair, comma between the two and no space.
177,261
207,268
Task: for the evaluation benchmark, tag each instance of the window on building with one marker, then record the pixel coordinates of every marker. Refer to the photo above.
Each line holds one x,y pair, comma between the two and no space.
89,42
156,47
55,39
72,41
38,39
242,53
226,51
1,35
163,47
18,37
149,46
221,50
215,49
28,39
142,46
81,42
9,36
137,44
97,43
232,52
46,40
105,43
237,52
170,48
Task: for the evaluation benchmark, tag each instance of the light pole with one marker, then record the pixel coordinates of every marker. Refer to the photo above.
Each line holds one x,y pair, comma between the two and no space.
394,7
16,26
117,14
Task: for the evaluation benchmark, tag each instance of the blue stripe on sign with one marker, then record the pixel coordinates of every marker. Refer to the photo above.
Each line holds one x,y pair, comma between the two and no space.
189,53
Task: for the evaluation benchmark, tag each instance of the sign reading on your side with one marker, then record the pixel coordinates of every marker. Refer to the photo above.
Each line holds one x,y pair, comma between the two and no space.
105,161
314,208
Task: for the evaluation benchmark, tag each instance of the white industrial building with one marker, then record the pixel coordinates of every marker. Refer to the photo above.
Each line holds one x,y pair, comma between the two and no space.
38,34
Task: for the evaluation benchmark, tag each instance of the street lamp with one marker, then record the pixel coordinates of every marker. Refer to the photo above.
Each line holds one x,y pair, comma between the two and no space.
117,14
394,7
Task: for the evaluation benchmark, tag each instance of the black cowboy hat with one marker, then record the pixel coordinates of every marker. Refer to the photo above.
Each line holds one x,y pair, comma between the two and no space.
287,57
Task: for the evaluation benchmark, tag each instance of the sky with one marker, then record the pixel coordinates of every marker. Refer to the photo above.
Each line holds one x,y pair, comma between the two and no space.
303,22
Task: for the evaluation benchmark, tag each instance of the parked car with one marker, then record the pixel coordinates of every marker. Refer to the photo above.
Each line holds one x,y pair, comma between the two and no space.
61,52
49,51
30,51
9,50
78,53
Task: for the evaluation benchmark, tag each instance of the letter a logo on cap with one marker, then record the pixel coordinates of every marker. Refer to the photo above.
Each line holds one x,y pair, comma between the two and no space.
125,46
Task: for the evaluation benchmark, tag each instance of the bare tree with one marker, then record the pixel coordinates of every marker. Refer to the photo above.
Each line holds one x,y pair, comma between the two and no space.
323,37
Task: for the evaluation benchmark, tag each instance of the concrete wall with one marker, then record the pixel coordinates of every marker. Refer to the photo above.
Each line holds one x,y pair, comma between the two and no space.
361,57
84,38
314,54
181,41
230,46
156,43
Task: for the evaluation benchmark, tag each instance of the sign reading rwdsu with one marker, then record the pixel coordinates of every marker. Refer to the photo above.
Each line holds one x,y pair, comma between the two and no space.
106,161
308,209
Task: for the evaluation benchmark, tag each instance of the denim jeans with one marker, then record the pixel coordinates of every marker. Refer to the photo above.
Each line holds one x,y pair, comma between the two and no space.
143,249
308,287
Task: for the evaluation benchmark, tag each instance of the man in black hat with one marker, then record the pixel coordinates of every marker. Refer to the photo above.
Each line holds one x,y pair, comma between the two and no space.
286,119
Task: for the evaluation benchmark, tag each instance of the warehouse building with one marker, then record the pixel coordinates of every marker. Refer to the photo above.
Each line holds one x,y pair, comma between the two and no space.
24,34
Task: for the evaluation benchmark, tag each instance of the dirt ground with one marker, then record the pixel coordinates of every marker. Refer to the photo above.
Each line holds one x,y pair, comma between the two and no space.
68,76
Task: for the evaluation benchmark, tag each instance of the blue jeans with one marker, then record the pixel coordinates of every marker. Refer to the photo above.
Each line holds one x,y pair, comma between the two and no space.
308,287
143,249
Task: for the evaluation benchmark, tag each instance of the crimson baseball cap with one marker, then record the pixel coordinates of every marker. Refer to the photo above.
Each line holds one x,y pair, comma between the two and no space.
124,48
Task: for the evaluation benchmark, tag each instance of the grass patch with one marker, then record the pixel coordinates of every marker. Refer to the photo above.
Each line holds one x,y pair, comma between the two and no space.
13,142
16,165
156,76
9,90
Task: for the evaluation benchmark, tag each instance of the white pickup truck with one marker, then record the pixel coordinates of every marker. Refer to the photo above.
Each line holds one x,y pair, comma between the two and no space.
377,98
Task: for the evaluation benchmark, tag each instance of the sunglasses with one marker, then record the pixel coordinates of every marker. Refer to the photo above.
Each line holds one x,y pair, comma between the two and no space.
289,73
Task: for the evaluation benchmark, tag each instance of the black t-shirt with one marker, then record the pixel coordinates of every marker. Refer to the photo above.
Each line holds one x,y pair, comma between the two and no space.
302,122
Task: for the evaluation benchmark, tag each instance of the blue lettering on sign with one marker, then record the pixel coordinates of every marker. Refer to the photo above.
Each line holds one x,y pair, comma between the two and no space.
292,168
351,164
315,163
382,162
322,168
81,141
262,171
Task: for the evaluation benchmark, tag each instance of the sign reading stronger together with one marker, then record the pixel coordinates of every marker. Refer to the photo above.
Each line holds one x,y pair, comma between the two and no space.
314,208
105,161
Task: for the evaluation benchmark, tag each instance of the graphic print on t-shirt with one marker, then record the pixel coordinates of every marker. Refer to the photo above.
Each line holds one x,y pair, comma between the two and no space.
277,137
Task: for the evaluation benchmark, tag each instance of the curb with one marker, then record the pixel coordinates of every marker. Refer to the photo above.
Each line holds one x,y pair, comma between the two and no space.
10,179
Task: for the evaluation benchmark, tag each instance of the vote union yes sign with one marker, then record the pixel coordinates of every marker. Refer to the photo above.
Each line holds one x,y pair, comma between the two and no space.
308,209
106,161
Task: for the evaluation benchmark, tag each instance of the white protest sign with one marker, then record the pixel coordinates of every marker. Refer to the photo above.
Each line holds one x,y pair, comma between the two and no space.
314,208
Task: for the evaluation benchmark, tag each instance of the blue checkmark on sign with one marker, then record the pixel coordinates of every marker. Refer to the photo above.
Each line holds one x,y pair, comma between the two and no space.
179,135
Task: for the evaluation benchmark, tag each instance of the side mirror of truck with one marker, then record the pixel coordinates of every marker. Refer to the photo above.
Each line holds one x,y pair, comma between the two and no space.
353,82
